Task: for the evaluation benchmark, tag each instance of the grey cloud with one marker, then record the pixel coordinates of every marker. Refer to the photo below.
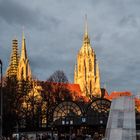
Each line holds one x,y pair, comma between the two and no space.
55,32
49,22
15,13
129,20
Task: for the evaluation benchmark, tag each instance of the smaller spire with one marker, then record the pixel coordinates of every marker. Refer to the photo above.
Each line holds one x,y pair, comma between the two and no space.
23,37
97,75
97,86
23,49
24,71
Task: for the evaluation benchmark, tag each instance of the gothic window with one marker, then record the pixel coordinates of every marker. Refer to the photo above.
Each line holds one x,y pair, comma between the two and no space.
79,67
90,65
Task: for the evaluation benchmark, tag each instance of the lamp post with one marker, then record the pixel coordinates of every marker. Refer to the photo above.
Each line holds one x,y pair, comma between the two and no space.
1,100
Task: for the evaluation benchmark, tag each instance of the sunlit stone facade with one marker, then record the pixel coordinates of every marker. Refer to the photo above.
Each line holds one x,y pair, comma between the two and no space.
19,67
24,71
86,72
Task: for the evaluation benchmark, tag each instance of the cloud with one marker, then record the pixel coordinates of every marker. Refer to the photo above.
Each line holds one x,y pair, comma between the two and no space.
54,33
15,13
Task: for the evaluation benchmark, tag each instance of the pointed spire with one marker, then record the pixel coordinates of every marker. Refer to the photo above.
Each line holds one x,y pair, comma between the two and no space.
23,37
86,47
24,71
23,49
97,76
86,38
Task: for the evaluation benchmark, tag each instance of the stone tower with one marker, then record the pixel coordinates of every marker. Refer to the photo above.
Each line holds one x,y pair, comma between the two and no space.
14,60
86,72
24,71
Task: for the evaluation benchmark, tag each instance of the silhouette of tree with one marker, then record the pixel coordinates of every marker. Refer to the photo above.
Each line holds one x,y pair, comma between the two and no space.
12,103
58,77
57,84
9,105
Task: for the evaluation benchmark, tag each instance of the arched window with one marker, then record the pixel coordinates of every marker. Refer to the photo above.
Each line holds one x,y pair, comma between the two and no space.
98,111
99,106
66,109
90,65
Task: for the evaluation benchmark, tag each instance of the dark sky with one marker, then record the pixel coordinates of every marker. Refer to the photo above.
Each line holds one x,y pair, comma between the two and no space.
54,31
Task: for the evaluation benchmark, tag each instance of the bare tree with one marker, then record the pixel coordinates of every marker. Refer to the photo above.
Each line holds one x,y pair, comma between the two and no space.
58,77
58,82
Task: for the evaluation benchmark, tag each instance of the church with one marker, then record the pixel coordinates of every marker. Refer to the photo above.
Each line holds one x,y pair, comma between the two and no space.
86,85
19,66
86,72
62,107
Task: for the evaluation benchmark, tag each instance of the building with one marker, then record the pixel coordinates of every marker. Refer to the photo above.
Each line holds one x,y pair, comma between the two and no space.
62,113
19,66
86,72
14,60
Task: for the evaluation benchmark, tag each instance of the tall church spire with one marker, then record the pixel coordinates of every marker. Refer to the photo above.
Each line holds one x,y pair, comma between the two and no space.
86,72
86,47
14,60
23,49
24,71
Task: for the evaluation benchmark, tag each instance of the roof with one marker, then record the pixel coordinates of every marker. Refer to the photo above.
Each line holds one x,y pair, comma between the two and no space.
117,94
75,90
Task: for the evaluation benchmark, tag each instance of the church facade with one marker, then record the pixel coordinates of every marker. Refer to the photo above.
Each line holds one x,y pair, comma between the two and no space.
86,84
19,65
86,72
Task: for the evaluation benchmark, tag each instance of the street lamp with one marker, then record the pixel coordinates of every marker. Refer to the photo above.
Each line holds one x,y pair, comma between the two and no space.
1,100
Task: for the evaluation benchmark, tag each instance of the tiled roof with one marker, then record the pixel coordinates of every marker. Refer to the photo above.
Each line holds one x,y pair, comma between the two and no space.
77,94
117,94
73,88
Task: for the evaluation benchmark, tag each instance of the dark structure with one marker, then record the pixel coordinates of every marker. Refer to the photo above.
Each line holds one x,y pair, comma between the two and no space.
69,118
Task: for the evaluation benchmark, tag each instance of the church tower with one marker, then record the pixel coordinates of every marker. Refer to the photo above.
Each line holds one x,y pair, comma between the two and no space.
14,60
24,71
86,72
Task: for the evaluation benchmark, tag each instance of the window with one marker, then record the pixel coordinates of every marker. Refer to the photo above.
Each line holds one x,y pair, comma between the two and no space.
90,65
66,109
